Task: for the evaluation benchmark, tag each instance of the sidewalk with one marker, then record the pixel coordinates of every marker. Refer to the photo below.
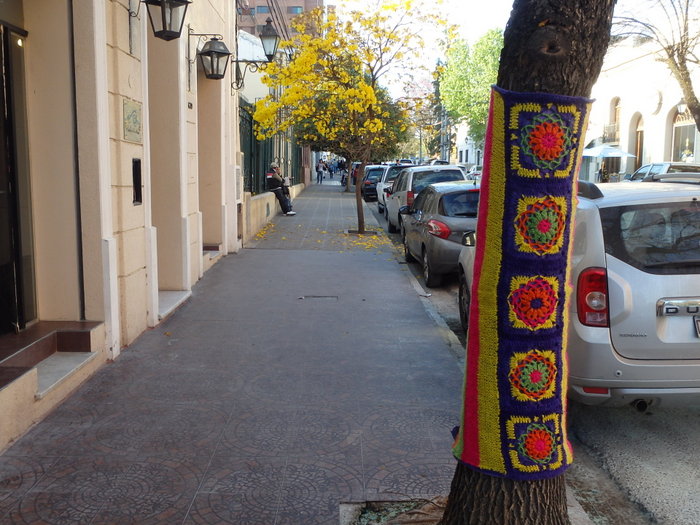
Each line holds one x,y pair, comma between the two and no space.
303,372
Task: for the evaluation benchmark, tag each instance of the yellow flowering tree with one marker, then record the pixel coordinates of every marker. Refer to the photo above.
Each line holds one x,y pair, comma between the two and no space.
329,89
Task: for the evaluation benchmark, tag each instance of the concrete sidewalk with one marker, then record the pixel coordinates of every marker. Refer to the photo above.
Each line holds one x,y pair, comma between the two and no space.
302,373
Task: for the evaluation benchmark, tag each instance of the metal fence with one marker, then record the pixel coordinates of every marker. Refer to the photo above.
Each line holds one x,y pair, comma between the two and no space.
258,154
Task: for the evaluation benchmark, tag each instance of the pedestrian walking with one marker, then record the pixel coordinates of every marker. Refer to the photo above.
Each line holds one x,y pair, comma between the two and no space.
276,184
319,172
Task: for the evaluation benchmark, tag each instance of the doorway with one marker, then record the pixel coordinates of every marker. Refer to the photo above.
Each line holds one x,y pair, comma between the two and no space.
17,290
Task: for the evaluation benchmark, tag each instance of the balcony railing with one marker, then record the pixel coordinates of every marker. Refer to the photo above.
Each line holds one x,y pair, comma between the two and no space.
611,133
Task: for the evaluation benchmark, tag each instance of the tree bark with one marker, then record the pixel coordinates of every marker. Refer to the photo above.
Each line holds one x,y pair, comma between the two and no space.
358,197
679,69
499,501
555,47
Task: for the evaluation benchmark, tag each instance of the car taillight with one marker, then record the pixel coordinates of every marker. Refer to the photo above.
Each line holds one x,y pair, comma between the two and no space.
409,198
439,229
592,297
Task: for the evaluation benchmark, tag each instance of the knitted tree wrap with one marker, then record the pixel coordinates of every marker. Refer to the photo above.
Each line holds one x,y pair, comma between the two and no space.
514,408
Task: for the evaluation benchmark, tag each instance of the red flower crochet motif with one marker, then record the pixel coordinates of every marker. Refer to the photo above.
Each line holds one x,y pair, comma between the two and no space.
534,302
547,140
538,444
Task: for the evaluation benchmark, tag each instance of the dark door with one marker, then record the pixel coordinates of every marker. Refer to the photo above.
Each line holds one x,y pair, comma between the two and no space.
16,251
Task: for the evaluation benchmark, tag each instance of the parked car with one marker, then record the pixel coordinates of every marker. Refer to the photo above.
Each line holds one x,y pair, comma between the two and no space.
433,226
373,173
647,172
409,183
390,173
634,323
474,172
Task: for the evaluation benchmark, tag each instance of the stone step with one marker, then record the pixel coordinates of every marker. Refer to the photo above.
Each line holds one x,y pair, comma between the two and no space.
57,368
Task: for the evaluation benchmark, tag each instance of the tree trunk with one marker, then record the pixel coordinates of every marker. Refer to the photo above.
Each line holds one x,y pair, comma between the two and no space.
358,197
555,47
682,75
487,499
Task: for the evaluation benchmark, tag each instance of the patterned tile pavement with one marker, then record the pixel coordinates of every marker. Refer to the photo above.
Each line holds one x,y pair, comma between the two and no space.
303,372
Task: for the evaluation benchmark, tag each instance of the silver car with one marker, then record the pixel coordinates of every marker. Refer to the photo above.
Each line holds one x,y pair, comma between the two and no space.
634,324
648,172
409,183
432,228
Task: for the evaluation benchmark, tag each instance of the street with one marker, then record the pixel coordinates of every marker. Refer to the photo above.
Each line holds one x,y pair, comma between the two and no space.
630,467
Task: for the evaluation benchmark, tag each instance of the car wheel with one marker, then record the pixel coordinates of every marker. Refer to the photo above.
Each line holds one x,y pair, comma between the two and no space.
406,252
431,279
464,300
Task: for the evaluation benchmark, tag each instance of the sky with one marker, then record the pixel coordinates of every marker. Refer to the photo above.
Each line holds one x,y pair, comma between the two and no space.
475,17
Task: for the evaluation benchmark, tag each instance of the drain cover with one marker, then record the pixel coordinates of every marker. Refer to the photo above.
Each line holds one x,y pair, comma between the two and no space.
320,297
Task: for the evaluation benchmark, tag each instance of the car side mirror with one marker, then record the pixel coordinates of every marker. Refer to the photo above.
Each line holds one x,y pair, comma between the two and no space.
387,191
469,238
405,210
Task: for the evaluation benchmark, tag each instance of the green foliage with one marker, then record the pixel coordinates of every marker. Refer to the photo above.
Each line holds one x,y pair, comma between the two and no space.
466,83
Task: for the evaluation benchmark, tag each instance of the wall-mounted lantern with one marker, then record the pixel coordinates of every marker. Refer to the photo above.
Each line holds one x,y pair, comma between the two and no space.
270,41
214,57
167,17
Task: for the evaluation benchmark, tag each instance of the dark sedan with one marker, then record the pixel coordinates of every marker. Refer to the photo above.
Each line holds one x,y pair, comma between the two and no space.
373,173
432,227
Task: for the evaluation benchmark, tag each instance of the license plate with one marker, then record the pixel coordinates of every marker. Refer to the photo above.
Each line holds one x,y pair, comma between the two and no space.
696,319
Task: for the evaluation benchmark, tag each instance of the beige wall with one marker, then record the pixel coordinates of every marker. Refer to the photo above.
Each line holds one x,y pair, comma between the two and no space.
125,85
210,149
52,159
167,160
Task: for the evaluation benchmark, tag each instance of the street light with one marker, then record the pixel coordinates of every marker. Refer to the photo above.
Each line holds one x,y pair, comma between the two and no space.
167,17
682,107
270,41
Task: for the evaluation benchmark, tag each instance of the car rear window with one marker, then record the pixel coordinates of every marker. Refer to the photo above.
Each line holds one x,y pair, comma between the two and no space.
374,174
460,204
422,178
679,168
660,238
392,173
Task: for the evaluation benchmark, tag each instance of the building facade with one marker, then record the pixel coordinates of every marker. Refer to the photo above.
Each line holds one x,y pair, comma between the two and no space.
123,183
254,13
638,108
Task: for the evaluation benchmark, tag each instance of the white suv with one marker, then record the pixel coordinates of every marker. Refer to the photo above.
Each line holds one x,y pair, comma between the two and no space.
634,324
391,171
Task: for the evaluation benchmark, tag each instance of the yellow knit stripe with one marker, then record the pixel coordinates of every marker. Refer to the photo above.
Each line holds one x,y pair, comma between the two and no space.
491,457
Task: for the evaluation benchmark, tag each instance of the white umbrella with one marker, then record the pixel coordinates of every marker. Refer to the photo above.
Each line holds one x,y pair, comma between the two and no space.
605,151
